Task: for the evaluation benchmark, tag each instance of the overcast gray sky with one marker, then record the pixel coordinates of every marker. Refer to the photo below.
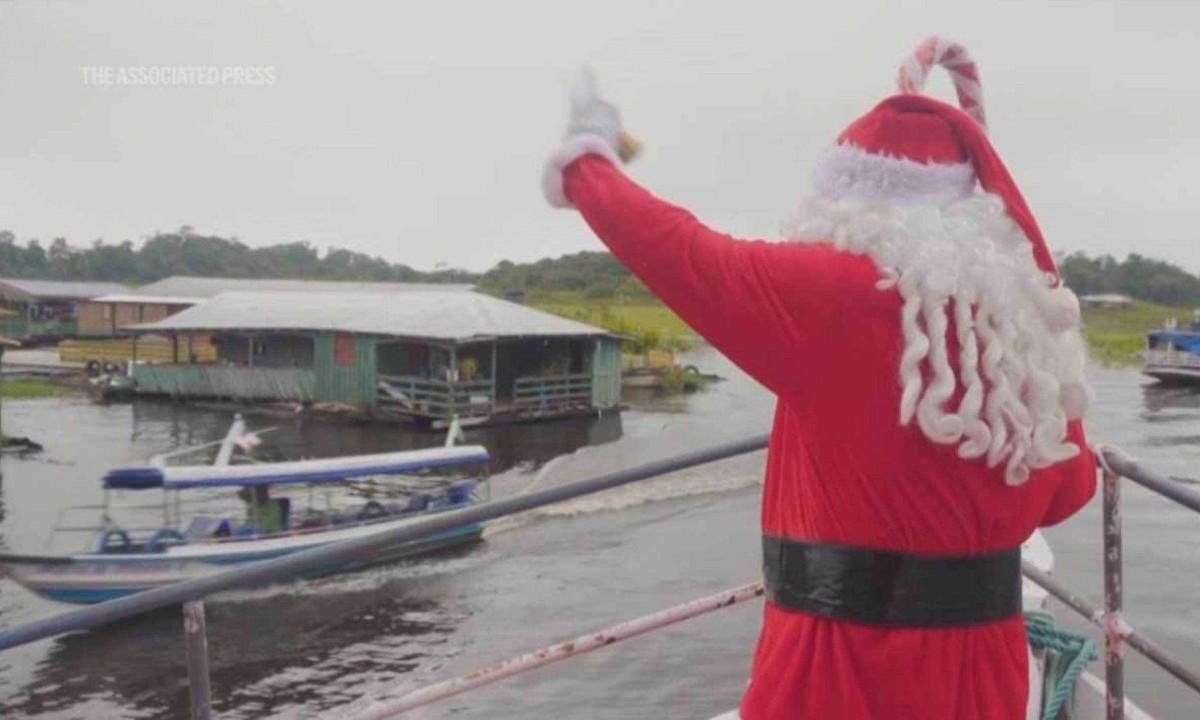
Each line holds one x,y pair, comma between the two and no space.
417,130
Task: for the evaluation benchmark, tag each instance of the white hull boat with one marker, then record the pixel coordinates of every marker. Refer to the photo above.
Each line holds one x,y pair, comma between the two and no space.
120,562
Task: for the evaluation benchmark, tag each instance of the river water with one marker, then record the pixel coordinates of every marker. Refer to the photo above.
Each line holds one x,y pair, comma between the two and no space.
303,649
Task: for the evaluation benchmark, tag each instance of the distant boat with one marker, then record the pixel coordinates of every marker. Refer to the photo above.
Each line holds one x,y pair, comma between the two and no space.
1173,355
123,560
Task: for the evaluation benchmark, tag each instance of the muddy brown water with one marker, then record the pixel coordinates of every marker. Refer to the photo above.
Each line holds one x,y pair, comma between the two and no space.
308,648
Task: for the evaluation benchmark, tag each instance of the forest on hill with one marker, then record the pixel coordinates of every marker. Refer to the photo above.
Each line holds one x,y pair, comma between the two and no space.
1138,277
599,275
584,275
184,252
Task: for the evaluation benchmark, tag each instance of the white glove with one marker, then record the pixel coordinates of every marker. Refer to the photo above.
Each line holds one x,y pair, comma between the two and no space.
594,127
592,114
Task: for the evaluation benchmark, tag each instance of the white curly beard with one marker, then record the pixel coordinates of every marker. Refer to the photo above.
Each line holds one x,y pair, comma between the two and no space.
1021,354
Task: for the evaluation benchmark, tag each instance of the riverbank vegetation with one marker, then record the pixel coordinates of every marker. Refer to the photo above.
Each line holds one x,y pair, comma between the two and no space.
591,287
24,388
648,323
1117,336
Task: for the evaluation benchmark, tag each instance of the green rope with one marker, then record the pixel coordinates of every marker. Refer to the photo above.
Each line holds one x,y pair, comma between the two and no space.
1067,656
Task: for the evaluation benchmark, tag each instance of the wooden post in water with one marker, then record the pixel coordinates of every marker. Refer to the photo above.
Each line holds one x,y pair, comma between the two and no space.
1114,665
196,637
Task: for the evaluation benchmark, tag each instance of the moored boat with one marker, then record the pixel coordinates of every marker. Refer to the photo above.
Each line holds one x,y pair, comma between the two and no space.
122,560
1173,355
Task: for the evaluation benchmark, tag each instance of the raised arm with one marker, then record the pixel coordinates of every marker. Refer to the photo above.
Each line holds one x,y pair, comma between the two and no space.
759,303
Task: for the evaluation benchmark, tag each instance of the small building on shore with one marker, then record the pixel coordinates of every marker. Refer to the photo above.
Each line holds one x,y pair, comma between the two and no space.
47,309
1107,301
113,315
423,355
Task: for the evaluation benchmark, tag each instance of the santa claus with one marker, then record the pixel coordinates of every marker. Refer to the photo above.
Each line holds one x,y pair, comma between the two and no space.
929,372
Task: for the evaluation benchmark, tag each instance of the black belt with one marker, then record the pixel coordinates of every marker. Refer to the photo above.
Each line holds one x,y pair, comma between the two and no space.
882,587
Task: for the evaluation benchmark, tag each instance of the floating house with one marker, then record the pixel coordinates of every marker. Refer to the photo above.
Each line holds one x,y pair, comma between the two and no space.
47,309
113,314
423,356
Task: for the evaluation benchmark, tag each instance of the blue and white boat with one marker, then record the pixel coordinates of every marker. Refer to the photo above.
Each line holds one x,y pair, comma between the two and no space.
1173,355
121,560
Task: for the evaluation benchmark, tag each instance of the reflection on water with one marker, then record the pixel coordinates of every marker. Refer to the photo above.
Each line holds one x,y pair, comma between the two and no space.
175,425
305,648
279,649
290,645
1163,396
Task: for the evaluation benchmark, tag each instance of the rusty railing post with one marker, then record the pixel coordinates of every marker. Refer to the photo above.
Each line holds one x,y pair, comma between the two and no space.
1114,665
196,636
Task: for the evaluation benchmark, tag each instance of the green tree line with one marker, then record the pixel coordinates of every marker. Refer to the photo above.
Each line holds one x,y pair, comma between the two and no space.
587,274
187,253
1136,276
590,274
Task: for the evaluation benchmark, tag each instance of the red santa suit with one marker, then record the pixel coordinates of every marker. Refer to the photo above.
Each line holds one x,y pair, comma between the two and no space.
927,372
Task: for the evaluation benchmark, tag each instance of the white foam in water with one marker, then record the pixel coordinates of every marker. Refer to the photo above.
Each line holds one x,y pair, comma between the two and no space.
591,461
366,579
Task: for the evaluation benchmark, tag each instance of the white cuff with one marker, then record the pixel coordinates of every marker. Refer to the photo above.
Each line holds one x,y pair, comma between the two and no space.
570,151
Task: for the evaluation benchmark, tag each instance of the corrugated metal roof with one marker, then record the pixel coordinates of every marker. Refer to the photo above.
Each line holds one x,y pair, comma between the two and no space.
207,287
437,315
24,289
160,299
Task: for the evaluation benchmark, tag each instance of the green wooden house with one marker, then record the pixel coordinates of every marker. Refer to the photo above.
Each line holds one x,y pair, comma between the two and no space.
423,357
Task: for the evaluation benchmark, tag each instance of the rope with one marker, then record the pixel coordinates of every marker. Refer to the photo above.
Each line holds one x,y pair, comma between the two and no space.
1067,656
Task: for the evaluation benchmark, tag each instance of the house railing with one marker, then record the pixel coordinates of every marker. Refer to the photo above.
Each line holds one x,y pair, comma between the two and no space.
227,381
22,327
191,593
427,397
552,392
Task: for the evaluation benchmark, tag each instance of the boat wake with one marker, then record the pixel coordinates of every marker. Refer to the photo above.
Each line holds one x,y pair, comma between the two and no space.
710,479
364,580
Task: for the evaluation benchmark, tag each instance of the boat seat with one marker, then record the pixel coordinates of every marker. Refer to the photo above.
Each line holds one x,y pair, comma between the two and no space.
460,491
416,501
203,527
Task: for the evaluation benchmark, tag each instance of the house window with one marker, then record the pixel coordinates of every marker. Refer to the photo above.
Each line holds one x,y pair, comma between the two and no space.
108,310
344,350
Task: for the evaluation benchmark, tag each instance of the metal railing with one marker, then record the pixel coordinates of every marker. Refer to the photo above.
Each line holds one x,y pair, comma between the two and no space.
1114,466
191,593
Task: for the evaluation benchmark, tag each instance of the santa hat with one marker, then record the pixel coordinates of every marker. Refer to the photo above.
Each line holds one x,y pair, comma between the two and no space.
912,148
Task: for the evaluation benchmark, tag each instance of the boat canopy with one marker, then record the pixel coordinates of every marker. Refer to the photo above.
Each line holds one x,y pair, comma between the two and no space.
1189,341
325,470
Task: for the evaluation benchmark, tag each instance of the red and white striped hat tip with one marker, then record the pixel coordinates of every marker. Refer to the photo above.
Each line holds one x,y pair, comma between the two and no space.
936,50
